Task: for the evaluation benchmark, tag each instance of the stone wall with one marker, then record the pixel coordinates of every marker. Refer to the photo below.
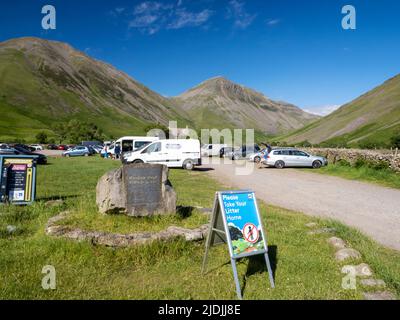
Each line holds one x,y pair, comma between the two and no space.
392,158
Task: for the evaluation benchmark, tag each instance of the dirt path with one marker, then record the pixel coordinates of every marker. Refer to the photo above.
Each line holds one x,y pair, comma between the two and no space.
372,209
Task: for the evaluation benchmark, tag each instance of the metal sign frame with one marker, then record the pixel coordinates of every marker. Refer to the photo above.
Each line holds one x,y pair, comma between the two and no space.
4,183
219,233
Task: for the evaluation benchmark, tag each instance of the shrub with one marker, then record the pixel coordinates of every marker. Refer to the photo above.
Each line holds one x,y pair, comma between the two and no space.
41,137
378,165
395,141
360,162
343,163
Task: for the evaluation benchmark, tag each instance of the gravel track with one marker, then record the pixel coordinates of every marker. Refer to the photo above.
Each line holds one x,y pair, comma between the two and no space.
372,209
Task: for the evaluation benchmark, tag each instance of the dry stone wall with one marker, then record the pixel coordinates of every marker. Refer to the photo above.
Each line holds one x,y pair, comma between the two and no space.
390,157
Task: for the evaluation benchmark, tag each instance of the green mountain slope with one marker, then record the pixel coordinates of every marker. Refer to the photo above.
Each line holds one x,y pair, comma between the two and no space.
45,82
371,119
220,103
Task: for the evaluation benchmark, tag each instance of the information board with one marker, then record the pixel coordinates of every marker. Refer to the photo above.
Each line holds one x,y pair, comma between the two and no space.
236,221
18,179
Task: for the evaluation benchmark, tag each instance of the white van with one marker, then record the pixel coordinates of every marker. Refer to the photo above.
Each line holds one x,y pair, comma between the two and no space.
212,150
174,153
129,144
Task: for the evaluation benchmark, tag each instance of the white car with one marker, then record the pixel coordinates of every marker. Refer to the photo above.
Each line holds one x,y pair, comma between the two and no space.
257,157
174,153
282,158
37,147
212,150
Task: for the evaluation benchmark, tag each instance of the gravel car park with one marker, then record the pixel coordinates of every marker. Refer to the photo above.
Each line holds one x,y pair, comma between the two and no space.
282,158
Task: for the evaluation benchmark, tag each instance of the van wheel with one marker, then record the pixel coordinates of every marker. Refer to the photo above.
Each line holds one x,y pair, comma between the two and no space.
138,162
317,164
279,165
188,165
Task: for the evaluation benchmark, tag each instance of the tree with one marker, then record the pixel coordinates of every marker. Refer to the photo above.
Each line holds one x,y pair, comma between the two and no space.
41,137
158,126
61,131
395,141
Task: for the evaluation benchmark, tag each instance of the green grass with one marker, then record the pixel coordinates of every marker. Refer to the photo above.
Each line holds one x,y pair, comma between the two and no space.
383,177
304,265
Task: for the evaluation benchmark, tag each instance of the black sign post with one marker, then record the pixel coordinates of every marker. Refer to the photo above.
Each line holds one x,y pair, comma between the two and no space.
17,179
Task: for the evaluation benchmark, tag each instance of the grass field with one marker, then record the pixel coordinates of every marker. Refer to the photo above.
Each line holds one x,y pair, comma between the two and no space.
303,264
383,177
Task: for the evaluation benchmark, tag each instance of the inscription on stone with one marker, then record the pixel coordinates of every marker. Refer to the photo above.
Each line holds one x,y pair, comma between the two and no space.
136,190
143,187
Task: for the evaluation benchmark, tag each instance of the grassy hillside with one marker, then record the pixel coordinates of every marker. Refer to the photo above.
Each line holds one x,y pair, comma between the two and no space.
44,82
370,120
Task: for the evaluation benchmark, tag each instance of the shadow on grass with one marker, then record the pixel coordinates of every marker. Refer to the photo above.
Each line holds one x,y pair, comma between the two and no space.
257,264
52,198
184,211
203,169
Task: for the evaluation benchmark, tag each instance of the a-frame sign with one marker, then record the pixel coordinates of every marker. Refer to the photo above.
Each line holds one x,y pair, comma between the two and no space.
236,221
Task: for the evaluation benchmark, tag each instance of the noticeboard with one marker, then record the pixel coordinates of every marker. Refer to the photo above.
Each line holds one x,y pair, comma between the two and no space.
236,221
17,179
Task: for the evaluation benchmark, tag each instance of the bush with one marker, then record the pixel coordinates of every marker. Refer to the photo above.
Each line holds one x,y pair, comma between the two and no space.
305,144
41,137
395,141
360,162
378,165
343,163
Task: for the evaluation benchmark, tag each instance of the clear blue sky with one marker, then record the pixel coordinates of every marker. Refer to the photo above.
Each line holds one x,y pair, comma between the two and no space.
291,50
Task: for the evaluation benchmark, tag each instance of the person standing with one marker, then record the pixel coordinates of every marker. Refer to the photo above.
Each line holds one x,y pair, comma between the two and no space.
117,151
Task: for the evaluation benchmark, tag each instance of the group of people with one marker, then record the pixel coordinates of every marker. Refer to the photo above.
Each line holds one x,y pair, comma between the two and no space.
115,155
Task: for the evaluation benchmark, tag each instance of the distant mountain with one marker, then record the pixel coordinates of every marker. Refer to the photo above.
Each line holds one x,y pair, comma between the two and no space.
43,82
220,103
371,119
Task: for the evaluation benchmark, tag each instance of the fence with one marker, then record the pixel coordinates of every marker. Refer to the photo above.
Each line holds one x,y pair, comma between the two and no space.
391,157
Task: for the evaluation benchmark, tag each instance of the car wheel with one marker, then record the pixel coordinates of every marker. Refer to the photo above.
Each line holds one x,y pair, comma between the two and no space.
257,159
86,154
188,165
317,164
138,161
279,165
67,155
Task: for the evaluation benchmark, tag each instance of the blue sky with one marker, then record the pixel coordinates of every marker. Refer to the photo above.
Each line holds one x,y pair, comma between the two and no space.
291,50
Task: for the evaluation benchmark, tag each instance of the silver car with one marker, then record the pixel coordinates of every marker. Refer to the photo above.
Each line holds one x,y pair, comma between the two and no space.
281,158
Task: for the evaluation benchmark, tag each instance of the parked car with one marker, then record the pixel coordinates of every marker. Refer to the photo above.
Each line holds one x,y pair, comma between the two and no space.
91,150
97,149
257,156
78,151
128,144
24,146
174,153
19,150
244,152
212,150
282,158
62,147
52,146
224,151
37,147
